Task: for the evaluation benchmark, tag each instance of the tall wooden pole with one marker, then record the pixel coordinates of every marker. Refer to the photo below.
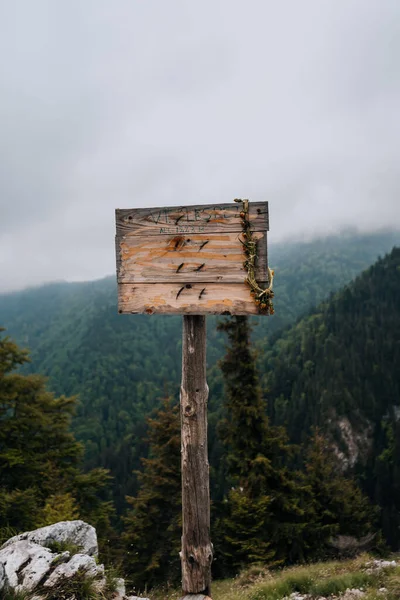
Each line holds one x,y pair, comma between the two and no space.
196,554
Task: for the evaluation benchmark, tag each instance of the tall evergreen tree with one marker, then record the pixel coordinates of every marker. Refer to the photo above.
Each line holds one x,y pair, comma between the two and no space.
336,504
40,460
153,525
386,479
262,517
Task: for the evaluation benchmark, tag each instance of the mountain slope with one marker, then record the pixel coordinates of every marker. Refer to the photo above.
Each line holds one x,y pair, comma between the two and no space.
339,369
121,366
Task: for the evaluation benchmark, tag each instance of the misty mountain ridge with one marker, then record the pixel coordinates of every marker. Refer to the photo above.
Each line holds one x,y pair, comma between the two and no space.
274,247
121,366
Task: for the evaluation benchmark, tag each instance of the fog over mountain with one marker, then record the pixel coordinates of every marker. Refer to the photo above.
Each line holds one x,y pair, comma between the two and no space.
131,103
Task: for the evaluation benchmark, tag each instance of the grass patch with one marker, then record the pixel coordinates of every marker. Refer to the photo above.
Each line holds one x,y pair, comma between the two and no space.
13,595
323,579
319,579
393,584
111,576
340,583
273,591
7,533
65,546
80,586
252,575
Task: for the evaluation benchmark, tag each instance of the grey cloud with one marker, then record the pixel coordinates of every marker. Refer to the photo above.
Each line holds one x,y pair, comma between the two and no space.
130,103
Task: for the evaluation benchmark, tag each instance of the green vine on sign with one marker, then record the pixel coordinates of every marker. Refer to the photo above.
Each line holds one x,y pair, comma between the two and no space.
262,298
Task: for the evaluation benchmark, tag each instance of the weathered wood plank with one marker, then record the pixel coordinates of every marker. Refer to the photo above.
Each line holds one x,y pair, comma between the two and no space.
178,220
212,258
190,298
197,553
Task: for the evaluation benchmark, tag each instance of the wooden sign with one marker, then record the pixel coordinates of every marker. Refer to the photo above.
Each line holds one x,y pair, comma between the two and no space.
194,260
189,259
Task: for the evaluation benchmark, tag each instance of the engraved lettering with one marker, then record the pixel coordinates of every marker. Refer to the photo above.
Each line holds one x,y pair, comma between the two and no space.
156,217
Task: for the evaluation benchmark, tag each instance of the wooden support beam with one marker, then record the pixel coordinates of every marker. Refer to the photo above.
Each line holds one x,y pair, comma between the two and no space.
197,552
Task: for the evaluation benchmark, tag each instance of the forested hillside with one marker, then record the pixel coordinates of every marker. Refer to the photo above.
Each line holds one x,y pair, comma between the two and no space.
331,384
122,367
304,431
339,368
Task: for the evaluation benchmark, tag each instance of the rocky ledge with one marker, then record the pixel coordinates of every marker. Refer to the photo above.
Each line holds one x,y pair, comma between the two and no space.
57,558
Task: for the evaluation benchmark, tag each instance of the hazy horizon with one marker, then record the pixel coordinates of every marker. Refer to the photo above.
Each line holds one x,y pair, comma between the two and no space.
348,232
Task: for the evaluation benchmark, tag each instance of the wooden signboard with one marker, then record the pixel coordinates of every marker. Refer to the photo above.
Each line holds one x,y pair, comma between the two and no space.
194,261
189,259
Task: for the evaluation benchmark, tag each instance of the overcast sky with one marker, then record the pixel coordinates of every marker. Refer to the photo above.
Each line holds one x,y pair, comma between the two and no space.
130,103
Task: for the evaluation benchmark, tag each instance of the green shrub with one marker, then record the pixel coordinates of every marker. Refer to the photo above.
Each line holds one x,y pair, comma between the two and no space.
65,546
11,594
79,587
6,533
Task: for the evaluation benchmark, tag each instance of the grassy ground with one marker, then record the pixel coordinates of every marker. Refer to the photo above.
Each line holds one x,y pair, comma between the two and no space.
326,579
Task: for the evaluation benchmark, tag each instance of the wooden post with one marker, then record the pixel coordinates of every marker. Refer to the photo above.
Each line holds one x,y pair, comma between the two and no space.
196,554
194,261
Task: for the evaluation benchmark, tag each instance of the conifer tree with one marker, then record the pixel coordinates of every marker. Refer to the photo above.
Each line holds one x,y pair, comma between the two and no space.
153,524
262,517
386,480
40,460
336,504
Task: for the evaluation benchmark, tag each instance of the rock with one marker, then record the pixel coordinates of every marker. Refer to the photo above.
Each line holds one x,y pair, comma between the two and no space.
119,587
373,566
3,577
81,562
139,598
25,563
353,594
78,533
386,563
381,564
28,565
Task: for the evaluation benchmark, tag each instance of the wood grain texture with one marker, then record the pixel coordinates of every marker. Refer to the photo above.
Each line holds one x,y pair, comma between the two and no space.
190,298
194,258
197,552
178,220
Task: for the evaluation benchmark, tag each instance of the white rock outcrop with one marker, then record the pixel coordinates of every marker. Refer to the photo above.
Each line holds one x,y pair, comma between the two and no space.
78,533
25,564
30,562
78,562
